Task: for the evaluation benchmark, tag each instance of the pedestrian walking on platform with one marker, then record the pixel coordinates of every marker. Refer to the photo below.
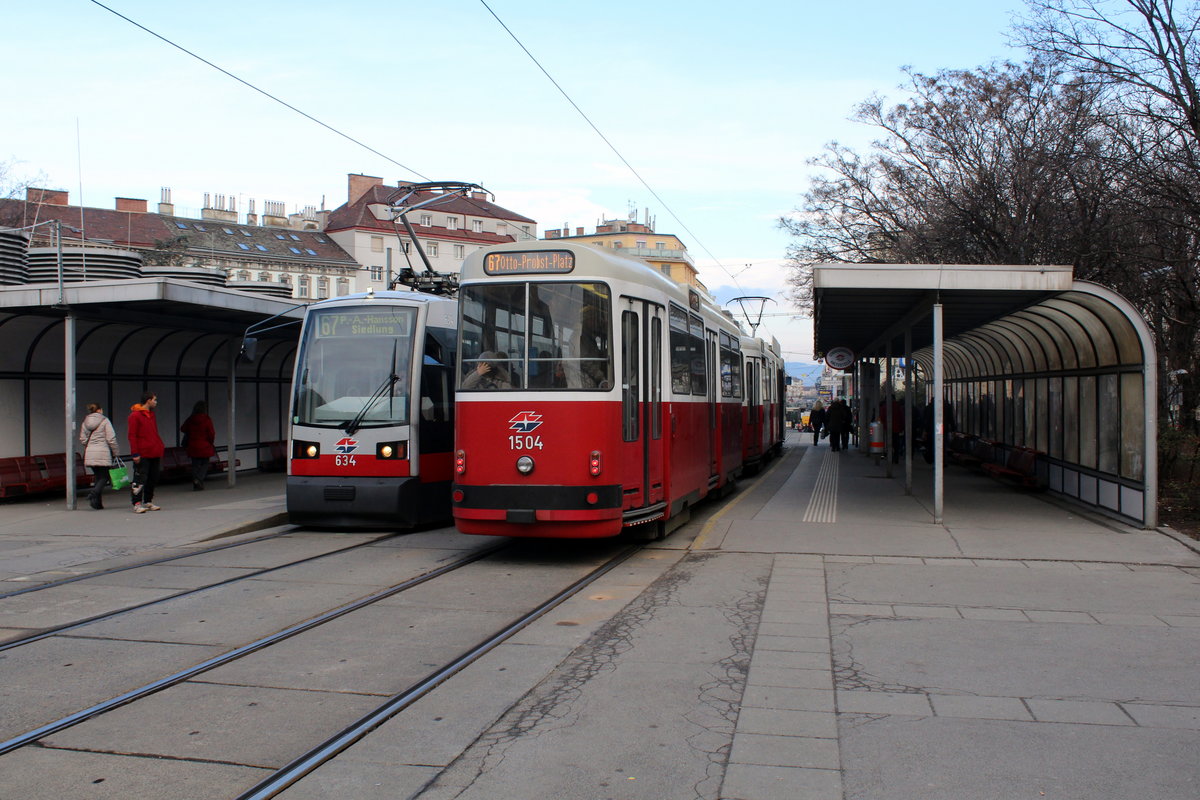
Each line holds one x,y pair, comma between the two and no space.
99,442
838,420
146,450
816,419
198,436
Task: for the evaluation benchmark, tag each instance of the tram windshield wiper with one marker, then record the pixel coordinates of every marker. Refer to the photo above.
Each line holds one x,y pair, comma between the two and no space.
389,384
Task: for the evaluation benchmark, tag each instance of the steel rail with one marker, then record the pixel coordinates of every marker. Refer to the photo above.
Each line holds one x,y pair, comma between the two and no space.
292,772
46,633
99,573
70,720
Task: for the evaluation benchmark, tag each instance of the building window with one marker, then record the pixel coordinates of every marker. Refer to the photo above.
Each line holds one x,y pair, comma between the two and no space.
427,220
305,286
280,236
406,247
659,245
228,230
451,223
285,278
501,229
431,249
343,287
243,276
460,251
243,245
310,251
295,250
525,229
261,247
322,288
376,273
616,245
477,225
376,244
264,277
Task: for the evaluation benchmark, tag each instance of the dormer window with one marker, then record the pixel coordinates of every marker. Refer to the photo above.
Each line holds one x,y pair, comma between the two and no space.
427,220
451,223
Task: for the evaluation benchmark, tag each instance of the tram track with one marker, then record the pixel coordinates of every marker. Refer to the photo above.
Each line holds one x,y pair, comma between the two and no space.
328,750
230,656
47,632
149,563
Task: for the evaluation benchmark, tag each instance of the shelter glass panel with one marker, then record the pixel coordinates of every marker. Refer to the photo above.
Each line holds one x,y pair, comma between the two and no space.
1042,415
1007,436
1125,336
1087,421
1031,413
1030,334
1109,428
1018,411
1101,336
1133,427
1071,420
1056,417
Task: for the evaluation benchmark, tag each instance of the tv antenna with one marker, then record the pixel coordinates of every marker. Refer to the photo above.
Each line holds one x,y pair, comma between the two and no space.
752,306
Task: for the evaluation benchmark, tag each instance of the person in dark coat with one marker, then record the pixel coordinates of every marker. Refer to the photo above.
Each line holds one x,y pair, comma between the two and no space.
146,450
199,433
816,420
838,419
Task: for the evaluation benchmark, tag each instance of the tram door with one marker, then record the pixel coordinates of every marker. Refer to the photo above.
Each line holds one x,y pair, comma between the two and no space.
641,395
714,466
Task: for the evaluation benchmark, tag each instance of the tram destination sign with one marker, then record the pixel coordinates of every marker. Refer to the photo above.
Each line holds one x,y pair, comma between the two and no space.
530,261
396,322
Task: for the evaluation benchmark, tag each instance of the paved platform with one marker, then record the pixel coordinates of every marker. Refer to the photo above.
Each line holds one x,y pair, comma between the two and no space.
1023,648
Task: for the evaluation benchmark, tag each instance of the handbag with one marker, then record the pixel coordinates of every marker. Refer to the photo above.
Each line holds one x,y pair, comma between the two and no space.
119,475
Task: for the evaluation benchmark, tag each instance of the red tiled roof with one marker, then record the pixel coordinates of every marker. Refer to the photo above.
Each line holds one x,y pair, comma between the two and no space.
358,215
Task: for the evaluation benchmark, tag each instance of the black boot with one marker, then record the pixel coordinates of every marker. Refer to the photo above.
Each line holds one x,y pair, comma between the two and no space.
95,502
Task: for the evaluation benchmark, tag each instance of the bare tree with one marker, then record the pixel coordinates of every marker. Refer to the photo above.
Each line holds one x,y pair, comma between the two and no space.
998,165
1144,56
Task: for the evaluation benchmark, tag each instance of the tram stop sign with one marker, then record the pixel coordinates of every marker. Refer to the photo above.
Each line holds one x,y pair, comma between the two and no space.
840,358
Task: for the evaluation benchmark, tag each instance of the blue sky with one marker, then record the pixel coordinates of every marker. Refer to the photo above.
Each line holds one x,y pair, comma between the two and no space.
718,106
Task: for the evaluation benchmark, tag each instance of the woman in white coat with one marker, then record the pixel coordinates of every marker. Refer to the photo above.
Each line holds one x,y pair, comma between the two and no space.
99,442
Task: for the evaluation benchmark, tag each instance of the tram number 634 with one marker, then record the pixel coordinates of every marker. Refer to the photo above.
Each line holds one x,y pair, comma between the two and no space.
524,442
344,461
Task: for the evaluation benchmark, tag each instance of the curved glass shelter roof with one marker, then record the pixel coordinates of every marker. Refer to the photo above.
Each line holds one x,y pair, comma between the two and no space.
1030,358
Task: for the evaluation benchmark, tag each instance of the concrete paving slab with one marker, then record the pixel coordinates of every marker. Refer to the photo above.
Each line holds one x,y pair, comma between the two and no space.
230,615
883,703
787,698
1164,716
54,677
169,576
272,552
37,773
219,723
344,778
787,677
748,782
943,758
1003,659
65,604
974,707
781,722
1078,711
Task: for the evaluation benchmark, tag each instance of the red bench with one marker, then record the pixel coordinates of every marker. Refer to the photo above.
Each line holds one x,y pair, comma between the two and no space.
22,475
1020,468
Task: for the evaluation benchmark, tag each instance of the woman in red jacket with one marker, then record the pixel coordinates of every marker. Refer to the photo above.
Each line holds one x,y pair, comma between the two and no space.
146,449
199,434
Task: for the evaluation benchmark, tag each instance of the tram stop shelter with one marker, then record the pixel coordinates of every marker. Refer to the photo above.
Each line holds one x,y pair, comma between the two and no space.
1029,362
107,341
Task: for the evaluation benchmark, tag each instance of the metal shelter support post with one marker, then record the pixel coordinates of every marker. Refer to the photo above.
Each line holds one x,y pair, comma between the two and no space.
938,406
231,423
889,443
69,404
908,411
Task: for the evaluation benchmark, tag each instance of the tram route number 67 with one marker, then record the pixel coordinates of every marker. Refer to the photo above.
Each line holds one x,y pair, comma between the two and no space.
524,443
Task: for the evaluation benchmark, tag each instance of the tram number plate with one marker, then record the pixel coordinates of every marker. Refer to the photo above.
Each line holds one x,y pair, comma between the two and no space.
344,461
524,443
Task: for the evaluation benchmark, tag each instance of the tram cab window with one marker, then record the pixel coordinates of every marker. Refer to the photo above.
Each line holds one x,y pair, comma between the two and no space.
354,364
536,336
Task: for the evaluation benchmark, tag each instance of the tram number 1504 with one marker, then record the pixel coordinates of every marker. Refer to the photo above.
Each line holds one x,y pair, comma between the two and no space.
524,443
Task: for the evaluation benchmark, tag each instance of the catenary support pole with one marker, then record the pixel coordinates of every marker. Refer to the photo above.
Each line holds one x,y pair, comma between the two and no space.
889,419
231,423
69,404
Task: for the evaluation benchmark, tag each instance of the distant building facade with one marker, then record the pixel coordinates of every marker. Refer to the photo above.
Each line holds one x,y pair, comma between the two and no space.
449,229
664,251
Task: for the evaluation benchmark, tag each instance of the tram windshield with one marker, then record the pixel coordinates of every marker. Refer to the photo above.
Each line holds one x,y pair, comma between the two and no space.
354,367
536,336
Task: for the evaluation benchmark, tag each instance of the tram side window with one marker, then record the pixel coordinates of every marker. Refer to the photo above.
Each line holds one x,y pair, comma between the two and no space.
697,362
681,354
731,366
630,378
493,335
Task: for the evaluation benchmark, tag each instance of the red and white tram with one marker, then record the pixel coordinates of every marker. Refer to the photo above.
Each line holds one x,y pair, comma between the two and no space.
595,395
763,423
373,412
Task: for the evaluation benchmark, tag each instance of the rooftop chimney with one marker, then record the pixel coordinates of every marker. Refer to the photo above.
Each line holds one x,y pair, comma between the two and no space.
50,197
165,206
131,204
360,185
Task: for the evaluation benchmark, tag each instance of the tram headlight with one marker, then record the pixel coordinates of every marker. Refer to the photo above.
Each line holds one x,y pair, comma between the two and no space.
524,465
391,451
305,449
